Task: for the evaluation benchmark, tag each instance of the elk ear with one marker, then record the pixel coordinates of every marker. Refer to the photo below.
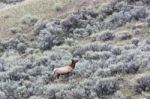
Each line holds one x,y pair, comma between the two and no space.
72,60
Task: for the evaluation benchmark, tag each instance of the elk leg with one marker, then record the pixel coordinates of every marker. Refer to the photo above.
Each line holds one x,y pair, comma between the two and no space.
55,76
67,75
58,76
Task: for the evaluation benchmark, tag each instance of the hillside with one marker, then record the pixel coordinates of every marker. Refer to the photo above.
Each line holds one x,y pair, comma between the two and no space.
110,38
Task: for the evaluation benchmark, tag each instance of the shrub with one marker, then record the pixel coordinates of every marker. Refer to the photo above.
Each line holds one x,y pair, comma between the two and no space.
124,36
58,7
145,62
93,96
135,41
80,32
121,17
130,47
97,55
4,77
10,44
131,1
118,94
111,60
3,95
11,1
3,65
21,47
103,73
116,51
100,64
81,68
51,90
46,40
31,75
40,25
143,83
105,55
70,41
89,29
128,56
88,72
107,35
92,47
87,86
104,36
137,31
29,20
147,41
55,28
21,38
74,18
29,50
29,64
121,6
35,97
148,20
107,9
87,83
47,77
60,54
42,61
17,73
91,55
92,13
77,94
146,95
37,87
66,25
56,31
21,92
61,94
131,67
138,13
9,89
106,86
117,19
72,22
35,71
15,30
146,2
2,46
145,48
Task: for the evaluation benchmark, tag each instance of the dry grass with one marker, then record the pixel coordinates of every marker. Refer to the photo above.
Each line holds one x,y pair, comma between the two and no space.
10,15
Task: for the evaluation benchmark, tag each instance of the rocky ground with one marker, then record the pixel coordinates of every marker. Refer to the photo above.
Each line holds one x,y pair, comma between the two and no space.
112,43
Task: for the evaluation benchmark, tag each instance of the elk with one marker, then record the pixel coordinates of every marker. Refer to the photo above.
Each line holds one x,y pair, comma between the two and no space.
65,69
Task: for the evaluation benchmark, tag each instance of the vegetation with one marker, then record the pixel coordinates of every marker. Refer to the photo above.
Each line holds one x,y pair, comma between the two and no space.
110,40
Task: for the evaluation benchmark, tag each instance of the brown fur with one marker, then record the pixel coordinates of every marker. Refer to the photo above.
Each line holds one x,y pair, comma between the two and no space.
64,70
